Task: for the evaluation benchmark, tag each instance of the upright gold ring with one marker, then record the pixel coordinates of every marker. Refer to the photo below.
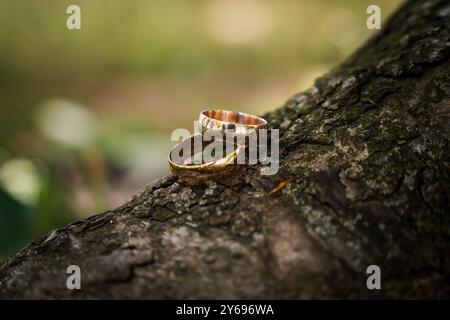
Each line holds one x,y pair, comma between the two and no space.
238,122
186,167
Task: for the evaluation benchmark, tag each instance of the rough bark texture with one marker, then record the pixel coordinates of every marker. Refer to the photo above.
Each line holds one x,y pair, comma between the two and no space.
365,154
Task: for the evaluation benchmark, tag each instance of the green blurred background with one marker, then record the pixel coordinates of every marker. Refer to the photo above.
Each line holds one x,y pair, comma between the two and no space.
86,115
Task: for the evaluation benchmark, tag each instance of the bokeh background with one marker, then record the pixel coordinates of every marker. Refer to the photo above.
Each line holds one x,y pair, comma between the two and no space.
86,115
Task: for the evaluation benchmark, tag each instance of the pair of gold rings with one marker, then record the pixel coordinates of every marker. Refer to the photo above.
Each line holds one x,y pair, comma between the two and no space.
186,161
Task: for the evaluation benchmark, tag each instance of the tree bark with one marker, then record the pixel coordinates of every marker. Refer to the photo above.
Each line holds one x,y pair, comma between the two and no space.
364,179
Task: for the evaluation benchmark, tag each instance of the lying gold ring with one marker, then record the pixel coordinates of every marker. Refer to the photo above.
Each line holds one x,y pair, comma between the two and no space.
238,122
186,167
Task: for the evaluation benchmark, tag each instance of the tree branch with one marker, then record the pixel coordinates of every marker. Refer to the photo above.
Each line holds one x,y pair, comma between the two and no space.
365,154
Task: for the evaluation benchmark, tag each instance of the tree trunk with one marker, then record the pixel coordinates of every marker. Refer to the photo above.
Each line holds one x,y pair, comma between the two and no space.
364,179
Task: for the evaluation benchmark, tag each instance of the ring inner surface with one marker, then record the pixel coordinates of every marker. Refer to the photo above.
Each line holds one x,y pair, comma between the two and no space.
234,117
189,145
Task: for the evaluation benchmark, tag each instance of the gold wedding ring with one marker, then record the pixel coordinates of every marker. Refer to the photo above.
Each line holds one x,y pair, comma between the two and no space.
189,160
186,165
238,122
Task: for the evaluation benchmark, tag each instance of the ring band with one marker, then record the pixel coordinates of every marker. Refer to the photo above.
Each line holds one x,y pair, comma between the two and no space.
238,122
186,168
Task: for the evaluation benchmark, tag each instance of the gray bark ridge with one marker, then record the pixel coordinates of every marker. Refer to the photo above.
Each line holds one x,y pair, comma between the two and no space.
364,157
